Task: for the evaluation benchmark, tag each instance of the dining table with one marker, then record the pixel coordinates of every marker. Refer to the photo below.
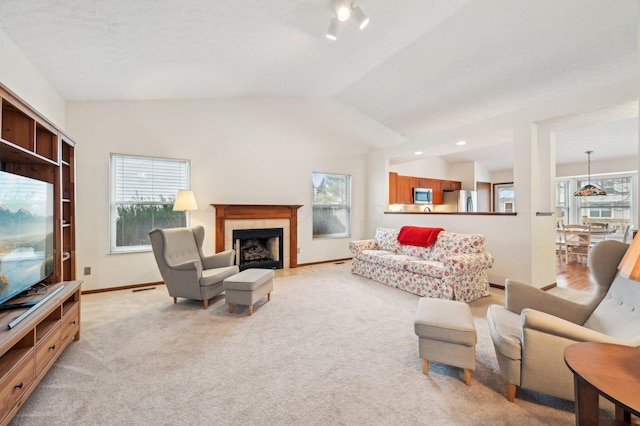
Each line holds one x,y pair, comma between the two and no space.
578,239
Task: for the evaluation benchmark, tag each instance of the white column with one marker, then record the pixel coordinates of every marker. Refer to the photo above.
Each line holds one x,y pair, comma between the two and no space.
532,175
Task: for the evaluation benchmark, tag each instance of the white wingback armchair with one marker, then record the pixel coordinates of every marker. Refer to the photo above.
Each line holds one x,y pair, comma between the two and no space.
186,271
534,327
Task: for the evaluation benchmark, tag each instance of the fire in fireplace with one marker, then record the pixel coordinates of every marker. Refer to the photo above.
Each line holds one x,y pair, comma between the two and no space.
258,248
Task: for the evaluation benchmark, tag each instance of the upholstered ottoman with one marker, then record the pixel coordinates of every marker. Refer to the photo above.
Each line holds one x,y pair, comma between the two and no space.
446,334
247,287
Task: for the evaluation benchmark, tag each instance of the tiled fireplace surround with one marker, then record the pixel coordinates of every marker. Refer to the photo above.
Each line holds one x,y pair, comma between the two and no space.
258,216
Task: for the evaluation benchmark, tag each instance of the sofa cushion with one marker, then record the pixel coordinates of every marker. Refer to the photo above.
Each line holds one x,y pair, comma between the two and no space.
387,239
374,256
422,253
451,244
397,261
426,267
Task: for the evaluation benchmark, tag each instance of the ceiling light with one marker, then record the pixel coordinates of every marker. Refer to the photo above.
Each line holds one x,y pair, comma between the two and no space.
341,9
418,153
589,190
460,143
333,29
360,18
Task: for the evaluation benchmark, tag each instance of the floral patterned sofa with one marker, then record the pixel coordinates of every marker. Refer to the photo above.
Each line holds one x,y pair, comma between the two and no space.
454,267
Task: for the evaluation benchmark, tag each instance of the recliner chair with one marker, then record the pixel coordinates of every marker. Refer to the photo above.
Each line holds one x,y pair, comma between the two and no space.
534,327
186,271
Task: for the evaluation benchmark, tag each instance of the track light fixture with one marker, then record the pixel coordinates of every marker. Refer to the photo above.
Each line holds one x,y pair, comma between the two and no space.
342,11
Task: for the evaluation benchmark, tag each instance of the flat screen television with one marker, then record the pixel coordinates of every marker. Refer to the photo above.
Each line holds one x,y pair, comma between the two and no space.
26,233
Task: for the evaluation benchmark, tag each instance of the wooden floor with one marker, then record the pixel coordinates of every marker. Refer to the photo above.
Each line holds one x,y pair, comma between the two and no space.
573,275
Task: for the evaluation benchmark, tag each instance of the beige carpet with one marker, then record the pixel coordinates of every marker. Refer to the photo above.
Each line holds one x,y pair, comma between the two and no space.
330,348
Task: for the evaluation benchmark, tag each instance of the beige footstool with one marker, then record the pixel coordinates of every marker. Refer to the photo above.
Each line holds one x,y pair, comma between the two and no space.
446,334
247,287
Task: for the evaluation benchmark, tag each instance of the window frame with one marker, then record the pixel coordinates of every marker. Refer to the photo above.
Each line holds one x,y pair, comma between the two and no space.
346,207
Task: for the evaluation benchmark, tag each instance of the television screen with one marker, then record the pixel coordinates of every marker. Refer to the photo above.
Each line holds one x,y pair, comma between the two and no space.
26,233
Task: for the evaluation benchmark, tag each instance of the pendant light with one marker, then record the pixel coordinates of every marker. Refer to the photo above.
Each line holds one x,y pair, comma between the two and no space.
589,190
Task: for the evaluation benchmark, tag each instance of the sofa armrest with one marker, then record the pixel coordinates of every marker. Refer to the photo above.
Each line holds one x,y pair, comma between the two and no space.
468,263
519,296
552,325
218,260
361,245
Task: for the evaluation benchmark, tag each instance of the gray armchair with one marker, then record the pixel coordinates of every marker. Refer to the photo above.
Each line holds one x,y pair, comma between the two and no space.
534,327
186,271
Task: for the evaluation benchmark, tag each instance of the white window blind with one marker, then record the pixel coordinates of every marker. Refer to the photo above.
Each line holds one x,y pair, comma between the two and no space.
148,179
143,190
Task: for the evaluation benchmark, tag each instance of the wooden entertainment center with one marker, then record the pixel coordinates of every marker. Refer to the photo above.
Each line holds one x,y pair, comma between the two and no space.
30,145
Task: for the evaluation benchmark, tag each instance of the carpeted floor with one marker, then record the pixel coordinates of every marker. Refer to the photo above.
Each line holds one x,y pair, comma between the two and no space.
330,348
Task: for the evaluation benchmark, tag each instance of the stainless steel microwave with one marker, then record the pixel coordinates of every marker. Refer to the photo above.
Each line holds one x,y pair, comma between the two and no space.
422,196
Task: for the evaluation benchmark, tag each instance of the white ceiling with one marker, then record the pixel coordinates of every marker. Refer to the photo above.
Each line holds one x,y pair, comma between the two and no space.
420,67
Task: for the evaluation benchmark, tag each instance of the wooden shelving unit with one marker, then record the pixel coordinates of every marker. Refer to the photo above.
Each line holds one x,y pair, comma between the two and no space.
32,146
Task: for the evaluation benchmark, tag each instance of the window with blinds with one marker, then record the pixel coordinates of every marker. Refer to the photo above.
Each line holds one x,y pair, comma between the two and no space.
142,193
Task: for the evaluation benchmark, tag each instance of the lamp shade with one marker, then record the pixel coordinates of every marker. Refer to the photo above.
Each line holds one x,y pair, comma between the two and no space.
185,201
589,190
630,264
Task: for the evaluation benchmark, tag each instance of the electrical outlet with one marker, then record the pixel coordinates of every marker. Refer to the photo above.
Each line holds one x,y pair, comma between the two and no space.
298,249
87,270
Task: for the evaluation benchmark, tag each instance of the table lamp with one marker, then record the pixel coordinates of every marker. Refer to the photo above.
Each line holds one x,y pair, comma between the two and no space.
630,264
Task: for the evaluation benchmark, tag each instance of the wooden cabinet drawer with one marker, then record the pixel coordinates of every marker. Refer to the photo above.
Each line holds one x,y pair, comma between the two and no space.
70,324
16,383
47,348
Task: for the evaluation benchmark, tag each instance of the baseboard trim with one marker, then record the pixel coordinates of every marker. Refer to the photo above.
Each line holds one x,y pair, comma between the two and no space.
325,261
346,259
123,287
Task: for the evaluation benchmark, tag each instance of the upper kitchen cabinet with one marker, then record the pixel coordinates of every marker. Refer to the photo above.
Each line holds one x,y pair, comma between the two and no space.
451,185
400,189
405,190
420,182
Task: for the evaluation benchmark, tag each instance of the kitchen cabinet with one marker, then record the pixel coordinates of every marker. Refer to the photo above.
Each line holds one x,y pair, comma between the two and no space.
401,187
405,190
393,188
420,182
450,185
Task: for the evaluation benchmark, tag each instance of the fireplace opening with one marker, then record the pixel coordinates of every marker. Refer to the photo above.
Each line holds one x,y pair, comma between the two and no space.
258,248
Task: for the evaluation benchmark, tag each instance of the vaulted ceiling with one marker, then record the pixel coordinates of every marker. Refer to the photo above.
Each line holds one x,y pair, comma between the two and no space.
420,67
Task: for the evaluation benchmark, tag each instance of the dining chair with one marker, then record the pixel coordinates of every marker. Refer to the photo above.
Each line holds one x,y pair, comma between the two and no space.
562,249
578,241
628,234
598,226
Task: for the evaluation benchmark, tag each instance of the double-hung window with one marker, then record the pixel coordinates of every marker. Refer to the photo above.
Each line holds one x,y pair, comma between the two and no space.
143,190
331,205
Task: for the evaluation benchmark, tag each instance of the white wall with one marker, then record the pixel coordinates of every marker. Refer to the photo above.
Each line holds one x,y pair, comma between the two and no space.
242,151
432,167
21,77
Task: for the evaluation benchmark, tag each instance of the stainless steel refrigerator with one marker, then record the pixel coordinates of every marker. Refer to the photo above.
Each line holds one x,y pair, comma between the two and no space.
459,201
